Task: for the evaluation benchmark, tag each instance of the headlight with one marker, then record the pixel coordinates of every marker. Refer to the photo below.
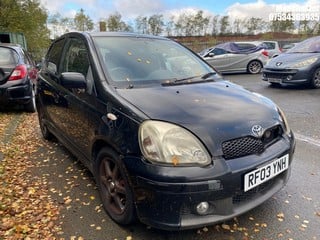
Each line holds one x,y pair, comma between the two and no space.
166,143
284,121
305,63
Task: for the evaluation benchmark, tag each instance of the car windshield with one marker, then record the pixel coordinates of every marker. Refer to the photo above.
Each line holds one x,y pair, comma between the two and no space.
142,61
311,45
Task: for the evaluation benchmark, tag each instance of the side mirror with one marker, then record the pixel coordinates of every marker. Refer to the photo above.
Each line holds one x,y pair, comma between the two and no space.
73,80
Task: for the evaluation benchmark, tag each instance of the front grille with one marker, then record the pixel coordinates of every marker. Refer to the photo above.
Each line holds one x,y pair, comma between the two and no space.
248,145
241,147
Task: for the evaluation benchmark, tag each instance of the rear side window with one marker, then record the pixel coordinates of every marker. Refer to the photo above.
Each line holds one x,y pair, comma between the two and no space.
8,57
270,45
53,57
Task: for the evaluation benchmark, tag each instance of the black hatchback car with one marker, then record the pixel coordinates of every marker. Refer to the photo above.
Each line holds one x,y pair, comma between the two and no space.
166,138
17,77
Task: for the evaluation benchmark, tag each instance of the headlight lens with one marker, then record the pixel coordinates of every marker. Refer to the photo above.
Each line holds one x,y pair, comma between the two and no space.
305,63
285,122
166,143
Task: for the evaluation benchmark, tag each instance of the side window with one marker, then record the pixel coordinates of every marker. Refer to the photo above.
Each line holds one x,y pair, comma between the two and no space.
53,56
76,57
219,51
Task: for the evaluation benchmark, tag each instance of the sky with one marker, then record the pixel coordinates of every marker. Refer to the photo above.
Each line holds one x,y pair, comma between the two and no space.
130,9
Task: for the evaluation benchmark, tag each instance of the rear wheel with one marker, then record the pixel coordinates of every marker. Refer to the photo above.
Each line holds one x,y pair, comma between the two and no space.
315,80
254,67
114,188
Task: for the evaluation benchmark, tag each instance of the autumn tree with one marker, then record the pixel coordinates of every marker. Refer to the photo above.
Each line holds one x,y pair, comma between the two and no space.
224,24
156,24
82,22
142,24
59,24
282,26
115,24
28,17
254,25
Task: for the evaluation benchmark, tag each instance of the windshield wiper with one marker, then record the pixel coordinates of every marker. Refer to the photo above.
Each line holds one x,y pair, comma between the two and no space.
207,75
202,78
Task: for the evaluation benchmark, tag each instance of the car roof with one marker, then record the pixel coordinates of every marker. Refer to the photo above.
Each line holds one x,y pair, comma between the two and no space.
113,34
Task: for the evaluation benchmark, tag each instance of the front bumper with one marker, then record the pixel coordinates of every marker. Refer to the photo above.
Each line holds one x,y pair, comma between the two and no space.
288,76
171,204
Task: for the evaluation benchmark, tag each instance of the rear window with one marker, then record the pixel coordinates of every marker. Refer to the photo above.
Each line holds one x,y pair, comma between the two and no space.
8,57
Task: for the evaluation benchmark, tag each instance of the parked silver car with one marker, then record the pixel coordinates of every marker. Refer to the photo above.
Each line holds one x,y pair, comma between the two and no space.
273,48
232,57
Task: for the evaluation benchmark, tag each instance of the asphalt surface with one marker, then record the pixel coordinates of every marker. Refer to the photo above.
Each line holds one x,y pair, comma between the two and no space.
293,213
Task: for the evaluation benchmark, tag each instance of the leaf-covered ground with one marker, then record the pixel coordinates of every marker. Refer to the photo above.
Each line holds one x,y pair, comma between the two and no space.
26,209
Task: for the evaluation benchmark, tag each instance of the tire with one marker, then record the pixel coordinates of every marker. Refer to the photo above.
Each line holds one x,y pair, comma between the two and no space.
114,188
31,105
46,134
254,67
315,80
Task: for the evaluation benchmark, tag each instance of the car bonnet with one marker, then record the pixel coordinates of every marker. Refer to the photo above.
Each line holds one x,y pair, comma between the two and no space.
287,60
214,112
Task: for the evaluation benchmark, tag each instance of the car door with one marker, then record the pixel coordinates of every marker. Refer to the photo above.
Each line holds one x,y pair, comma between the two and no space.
218,58
79,102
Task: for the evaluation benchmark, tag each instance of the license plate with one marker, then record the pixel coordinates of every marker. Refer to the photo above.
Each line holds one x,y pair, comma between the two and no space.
265,173
274,80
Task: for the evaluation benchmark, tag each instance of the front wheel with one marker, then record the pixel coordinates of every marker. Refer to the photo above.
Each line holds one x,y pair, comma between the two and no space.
254,67
315,80
114,188
43,127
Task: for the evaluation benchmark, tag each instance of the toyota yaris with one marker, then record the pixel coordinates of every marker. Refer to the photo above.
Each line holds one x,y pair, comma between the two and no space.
167,139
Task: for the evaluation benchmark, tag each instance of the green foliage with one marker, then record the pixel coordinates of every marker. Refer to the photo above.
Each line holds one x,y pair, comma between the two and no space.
26,16
83,22
115,24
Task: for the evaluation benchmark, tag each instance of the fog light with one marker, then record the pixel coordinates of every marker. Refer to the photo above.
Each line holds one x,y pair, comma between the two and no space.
289,77
202,208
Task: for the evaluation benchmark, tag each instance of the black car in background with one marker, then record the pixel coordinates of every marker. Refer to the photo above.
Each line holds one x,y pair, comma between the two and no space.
166,138
17,77
300,65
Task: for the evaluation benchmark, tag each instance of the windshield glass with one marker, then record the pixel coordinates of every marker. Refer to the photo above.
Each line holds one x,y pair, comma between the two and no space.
141,61
311,45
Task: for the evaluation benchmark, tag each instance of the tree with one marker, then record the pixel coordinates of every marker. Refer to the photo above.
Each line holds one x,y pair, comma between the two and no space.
142,24
224,24
83,22
155,24
282,26
59,24
254,24
214,25
200,23
115,24
28,17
